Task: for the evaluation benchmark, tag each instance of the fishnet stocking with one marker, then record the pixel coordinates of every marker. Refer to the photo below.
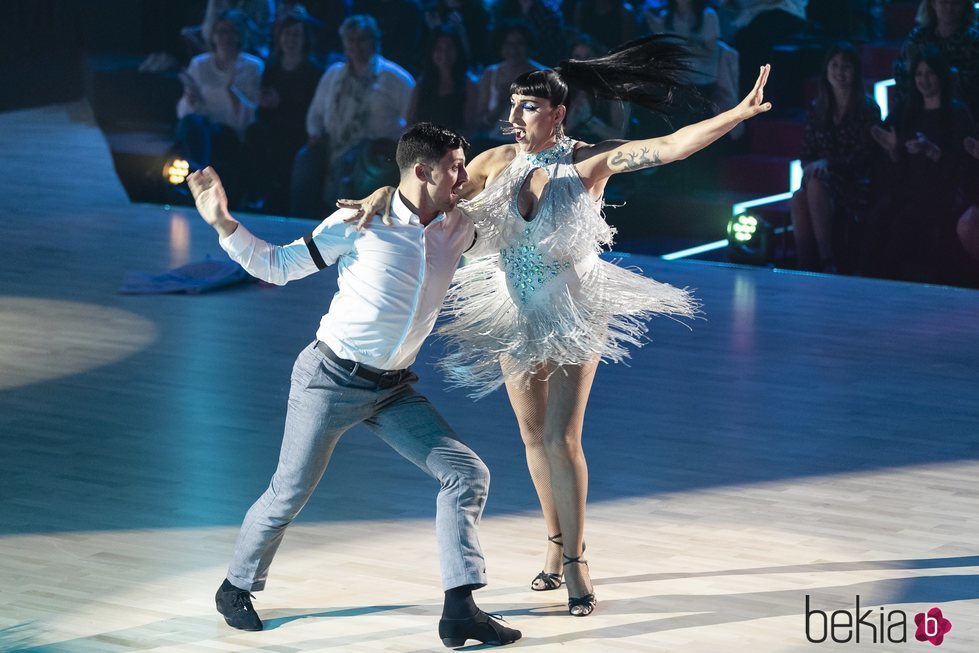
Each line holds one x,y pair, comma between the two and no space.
550,410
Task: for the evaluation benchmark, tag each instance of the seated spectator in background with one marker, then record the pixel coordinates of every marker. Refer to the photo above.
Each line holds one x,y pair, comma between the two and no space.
360,100
946,25
546,22
837,151
288,85
715,64
760,26
590,119
915,226
445,94
400,23
256,25
967,228
610,22
493,106
698,24
324,16
221,90
468,18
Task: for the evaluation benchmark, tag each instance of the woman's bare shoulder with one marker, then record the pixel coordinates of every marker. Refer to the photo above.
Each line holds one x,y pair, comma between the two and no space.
485,167
495,159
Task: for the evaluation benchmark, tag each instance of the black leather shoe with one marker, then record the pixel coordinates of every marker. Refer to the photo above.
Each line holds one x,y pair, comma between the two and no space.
482,627
236,606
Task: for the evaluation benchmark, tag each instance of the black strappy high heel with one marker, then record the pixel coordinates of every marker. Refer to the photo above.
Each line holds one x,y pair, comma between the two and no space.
584,605
545,581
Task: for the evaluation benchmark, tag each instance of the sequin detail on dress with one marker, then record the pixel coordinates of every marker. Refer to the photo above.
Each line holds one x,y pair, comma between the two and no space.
551,155
526,269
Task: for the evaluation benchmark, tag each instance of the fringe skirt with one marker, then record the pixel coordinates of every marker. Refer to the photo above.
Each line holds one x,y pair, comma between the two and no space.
570,316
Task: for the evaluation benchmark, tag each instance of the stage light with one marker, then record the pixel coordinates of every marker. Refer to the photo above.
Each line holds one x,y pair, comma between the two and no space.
880,95
750,239
176,171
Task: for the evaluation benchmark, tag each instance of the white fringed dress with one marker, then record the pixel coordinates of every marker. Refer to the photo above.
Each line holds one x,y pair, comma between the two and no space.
536,290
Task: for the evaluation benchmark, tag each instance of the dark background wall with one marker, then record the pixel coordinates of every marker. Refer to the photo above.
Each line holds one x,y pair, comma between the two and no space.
44,43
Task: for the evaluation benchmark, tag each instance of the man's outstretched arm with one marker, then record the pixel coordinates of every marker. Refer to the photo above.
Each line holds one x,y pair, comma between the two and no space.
278,264
212,201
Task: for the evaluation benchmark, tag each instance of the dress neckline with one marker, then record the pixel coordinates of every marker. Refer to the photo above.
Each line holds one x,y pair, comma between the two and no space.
552,154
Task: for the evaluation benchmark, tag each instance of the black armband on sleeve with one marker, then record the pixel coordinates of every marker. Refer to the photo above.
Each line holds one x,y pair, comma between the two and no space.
314,253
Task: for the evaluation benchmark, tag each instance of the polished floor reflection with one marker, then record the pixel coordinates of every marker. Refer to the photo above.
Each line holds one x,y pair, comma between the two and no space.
812,436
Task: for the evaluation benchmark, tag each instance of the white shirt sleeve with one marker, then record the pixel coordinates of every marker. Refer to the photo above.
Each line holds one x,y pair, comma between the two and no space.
246,86
316,114
710,30
280,264
184,107
404,101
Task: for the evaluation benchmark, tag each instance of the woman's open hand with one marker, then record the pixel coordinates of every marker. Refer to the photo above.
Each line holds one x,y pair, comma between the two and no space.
377,202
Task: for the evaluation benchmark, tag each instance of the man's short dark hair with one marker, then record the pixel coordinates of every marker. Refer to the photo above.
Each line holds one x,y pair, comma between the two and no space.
427,143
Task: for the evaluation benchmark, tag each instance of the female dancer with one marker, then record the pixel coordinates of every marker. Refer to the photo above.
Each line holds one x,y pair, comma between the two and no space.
537,309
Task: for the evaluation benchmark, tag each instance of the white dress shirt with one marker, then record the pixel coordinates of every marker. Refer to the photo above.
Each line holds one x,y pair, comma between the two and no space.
334,113
215,86
392,279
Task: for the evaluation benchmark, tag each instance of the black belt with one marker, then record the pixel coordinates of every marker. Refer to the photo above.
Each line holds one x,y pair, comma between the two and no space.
380,378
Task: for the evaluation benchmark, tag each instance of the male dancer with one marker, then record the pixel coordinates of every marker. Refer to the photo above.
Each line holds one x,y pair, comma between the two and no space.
392,282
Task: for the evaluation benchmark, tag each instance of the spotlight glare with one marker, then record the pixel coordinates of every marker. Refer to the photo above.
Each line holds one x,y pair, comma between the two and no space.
176,171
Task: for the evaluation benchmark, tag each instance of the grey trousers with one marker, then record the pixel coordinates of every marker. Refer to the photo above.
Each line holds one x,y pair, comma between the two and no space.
325,400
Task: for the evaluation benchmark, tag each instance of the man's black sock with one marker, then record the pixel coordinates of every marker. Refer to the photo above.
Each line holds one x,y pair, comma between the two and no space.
459,603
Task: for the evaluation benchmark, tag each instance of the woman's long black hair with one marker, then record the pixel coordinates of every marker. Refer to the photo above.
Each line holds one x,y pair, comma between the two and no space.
429,78
825,105
935,60
651,72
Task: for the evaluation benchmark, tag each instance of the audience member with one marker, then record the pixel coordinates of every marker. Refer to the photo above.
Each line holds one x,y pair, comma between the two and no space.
549,43
288,85
360,100
696,22
445,94
610,22
946,25
466,17
915,225
589,119
257,17
400,24
493,106
221,90
324,16
837,152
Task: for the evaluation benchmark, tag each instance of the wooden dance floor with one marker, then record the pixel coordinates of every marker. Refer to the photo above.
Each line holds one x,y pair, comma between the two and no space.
813,436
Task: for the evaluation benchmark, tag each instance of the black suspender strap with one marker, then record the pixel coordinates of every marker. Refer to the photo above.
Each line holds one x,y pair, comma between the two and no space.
314,253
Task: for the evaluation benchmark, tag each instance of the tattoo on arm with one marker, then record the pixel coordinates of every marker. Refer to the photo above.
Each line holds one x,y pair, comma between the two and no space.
629,161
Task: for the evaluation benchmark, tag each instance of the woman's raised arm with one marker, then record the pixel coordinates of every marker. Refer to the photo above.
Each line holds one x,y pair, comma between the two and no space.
598,162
